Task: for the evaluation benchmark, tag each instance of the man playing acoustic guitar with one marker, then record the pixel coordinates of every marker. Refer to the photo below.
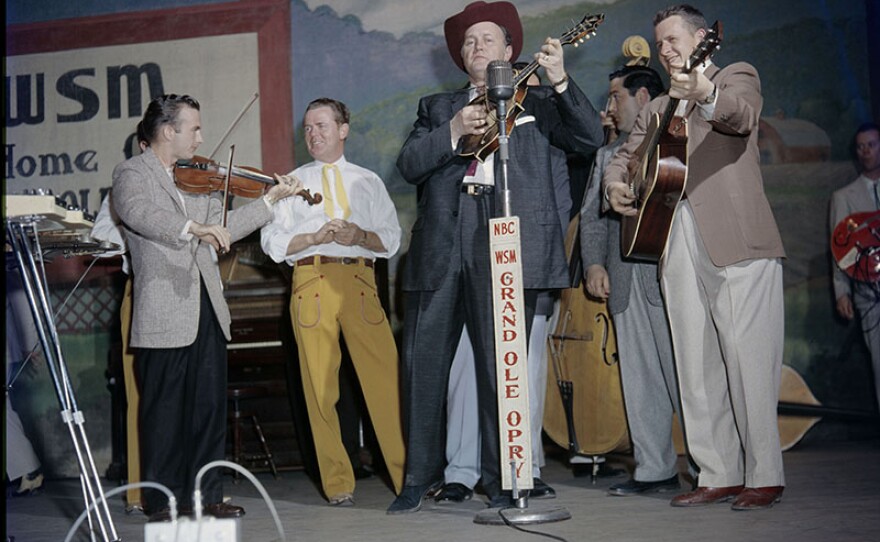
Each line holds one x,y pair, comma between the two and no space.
721,272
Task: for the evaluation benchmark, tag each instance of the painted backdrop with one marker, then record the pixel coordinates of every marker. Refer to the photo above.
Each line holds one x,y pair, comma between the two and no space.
380,56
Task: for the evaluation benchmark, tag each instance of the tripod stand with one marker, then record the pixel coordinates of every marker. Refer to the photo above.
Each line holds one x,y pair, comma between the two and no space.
22,235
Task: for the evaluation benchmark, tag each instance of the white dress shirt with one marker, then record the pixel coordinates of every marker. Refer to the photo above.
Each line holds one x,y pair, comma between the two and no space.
371,209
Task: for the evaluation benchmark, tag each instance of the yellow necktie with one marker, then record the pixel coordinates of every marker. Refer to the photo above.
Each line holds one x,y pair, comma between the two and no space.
329,203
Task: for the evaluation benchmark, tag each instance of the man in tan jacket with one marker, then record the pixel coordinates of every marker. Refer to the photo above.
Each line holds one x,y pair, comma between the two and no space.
721,272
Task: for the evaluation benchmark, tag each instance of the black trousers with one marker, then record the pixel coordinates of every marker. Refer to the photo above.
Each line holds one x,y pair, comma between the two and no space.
183,414
433,322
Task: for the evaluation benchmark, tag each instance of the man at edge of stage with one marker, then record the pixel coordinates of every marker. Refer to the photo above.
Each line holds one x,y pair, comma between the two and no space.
721,273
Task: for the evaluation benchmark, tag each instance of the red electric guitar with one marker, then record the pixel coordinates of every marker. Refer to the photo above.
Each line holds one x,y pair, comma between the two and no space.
855,245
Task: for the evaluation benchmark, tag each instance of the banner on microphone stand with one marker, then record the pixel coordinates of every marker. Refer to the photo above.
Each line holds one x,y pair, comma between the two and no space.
510,353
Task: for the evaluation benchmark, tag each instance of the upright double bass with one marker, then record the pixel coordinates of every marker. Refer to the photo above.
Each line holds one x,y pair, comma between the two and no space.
583,409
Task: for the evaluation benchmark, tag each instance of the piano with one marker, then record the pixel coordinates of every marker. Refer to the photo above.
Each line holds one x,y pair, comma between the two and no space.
262,352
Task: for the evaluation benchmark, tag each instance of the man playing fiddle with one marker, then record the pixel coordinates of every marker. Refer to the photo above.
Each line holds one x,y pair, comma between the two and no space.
332,248
180,321
447,279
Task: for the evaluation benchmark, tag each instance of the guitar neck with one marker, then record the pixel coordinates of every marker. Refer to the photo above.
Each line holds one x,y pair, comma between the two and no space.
668,114
525,73
672,106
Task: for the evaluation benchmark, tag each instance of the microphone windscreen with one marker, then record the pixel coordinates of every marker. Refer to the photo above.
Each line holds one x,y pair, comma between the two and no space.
499,80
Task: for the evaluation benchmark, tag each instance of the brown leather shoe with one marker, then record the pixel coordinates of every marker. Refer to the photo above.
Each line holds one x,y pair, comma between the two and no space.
706,495
757,498
224,510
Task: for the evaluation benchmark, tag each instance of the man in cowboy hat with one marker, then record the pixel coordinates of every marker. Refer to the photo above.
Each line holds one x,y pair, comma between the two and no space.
447,277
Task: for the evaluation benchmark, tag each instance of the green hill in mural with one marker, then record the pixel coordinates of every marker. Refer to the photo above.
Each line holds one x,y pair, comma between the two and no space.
824,85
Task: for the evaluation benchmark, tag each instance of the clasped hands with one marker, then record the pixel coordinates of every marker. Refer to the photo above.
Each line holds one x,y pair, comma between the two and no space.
218,236
338,231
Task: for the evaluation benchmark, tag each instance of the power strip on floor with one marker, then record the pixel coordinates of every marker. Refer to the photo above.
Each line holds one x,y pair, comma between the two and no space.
209,529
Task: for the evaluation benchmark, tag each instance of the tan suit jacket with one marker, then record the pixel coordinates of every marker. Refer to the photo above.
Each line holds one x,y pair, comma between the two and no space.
724,184
168,270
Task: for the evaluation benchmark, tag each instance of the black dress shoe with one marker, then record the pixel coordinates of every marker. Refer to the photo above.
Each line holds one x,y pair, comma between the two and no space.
411,498
540,490
453,492
501,501
223,510
161,515
28,485
634,487
362,472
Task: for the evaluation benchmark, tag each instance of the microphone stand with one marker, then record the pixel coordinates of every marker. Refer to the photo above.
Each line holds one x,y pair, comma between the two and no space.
503,155
519,514
22,234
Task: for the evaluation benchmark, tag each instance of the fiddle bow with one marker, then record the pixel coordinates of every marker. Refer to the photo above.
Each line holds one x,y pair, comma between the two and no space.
480,146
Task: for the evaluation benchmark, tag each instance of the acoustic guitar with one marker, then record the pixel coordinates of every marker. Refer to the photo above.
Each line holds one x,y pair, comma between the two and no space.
480,146
659,171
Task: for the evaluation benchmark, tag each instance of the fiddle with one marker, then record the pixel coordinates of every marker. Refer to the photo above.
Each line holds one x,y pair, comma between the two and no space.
201,175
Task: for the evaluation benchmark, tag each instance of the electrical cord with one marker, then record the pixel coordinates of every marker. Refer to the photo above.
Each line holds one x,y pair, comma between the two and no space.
172,503
197,498
527,531
197,495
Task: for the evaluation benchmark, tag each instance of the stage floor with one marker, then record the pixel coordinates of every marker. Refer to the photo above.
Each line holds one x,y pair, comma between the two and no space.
833,494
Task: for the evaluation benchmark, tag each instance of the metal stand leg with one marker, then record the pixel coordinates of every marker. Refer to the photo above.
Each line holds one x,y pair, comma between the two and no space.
35,288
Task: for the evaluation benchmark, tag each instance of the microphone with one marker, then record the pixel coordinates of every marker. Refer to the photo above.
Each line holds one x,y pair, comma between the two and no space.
499,80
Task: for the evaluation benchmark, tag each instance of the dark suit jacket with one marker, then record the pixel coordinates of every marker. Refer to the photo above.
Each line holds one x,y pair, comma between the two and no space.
724,183
427,159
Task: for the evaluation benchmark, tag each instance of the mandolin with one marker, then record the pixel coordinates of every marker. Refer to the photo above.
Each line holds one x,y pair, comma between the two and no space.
480,146
659,171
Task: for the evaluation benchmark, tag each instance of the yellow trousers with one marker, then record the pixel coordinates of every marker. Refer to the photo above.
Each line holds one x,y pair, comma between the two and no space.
326,298
132,439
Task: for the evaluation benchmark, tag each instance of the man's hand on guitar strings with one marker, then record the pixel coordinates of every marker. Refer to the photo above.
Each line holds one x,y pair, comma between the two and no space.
621,198
472,119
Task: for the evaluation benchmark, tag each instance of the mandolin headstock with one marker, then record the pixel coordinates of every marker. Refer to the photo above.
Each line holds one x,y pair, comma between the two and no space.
582,31
576,35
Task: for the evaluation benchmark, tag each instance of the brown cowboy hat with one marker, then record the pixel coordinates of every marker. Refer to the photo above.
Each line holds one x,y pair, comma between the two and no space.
501,13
